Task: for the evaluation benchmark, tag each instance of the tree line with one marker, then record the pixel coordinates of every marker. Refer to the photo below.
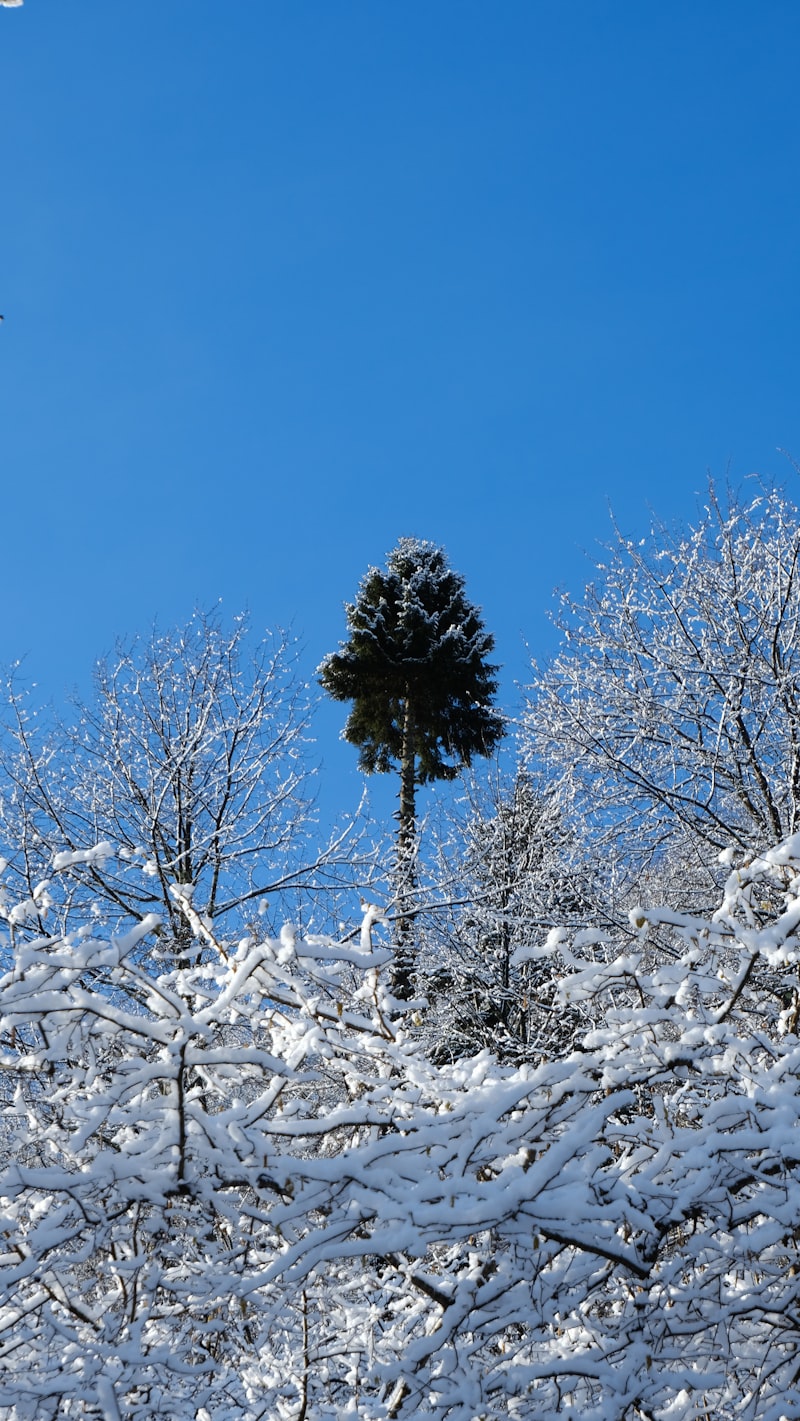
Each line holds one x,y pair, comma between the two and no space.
519,1141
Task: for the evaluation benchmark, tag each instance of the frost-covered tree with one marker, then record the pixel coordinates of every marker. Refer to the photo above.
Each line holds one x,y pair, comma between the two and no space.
416,669
506,873
672,713
189,761
236,1190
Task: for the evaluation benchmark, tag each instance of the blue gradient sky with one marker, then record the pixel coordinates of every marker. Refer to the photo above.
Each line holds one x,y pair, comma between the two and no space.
285,281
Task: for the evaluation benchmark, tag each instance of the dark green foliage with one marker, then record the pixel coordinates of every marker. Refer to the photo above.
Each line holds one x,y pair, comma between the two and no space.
415,668
416,672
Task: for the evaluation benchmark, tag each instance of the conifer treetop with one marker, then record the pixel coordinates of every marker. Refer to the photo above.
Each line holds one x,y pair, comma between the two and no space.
418,645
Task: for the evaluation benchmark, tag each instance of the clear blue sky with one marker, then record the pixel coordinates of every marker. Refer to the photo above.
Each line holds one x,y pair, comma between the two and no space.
285,281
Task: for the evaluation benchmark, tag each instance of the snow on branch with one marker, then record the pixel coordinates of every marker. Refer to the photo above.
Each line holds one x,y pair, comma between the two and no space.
240,1188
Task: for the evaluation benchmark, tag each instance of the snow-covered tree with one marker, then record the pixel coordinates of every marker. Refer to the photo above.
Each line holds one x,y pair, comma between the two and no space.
189,760
505,872
415,668
237,1190
671,716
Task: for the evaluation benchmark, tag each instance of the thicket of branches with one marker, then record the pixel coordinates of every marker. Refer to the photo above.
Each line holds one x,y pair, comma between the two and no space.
239,1190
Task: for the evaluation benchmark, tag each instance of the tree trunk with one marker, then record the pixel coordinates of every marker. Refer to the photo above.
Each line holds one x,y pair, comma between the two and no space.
402,983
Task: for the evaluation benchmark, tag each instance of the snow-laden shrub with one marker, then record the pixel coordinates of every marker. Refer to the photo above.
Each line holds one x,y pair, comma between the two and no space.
238,1189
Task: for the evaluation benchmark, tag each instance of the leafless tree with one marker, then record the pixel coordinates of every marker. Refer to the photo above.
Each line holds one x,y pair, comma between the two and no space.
189,761
672,712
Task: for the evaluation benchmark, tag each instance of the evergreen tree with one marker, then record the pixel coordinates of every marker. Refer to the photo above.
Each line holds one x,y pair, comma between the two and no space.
514,873
415,668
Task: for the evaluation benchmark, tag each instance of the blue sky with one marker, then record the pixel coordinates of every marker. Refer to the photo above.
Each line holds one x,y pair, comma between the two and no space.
283,282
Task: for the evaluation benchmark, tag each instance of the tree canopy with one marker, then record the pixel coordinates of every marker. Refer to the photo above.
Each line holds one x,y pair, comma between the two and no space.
415,667
672,711
188,759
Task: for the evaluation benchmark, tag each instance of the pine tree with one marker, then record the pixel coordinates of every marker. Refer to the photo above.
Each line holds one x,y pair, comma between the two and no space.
415,669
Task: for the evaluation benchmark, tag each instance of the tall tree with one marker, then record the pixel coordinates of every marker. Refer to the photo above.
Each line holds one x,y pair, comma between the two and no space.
415,668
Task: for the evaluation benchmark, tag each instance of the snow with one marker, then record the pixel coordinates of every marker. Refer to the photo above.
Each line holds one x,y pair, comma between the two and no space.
242,1189
98,854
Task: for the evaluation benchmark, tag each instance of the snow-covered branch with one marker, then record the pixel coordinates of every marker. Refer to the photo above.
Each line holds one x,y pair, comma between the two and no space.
242,1185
